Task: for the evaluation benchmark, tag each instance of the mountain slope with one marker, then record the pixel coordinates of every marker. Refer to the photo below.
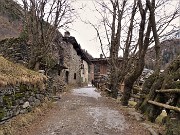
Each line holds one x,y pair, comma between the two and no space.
10,19
169,50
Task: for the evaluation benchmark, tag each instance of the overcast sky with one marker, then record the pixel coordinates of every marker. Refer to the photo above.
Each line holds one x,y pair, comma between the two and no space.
85,34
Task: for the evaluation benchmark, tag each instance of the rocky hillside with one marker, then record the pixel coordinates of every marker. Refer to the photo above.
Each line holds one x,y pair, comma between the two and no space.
169,50
10,19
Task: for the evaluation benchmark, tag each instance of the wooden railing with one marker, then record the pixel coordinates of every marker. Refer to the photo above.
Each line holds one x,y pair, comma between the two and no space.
169,91
177,109
136,96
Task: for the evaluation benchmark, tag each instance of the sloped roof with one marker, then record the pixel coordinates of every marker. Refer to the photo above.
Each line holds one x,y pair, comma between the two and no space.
77,47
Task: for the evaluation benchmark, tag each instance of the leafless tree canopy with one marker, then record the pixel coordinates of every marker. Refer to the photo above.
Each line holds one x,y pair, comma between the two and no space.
42,19
127,28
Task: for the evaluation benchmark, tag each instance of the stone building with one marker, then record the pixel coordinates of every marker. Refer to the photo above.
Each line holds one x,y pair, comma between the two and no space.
100,66
101,71
77,63
84,71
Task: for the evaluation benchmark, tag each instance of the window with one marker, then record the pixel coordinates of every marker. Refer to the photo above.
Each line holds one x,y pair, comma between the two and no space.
67,77
74,75
59,72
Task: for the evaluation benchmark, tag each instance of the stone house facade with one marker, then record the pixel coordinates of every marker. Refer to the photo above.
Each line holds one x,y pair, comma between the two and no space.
77,63
84,72
72,61
69,63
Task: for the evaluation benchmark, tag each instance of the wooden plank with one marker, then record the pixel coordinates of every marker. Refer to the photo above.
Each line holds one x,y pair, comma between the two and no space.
137,88
169,91
108,89
135,96
177,109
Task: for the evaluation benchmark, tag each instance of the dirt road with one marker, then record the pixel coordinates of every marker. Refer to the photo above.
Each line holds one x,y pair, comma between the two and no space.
84,111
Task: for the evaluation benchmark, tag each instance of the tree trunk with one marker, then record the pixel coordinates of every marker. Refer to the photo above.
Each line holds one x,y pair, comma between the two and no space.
173,122
153,110
146,88
127,92
37,66
114,90
152,94
129,81
114,83
34,62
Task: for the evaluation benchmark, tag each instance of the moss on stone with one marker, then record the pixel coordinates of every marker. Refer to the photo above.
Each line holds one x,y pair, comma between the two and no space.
173,127
7,101
23,88
2,113
19,95
35,89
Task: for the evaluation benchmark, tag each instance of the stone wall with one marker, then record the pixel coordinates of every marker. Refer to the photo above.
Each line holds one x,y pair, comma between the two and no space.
74,67
91,72
72,61
15,49
19,99
85,72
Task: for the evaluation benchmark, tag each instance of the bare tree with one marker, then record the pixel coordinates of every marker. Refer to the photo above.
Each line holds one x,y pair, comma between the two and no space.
168,79
114,31
42,19
128,19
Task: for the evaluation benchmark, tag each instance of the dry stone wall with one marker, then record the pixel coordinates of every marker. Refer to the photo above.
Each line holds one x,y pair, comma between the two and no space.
19,99
15,49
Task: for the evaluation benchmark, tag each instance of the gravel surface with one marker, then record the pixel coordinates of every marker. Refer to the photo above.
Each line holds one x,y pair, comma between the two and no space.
84,111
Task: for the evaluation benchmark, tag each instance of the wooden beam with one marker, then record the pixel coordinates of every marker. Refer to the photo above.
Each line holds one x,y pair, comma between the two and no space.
135,96
169,91
108,89
177,109
137,88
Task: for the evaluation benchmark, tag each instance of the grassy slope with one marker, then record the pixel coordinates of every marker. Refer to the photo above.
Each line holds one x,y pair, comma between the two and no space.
11,73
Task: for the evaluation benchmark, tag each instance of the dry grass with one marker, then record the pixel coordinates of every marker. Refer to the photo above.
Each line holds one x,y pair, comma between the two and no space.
11,74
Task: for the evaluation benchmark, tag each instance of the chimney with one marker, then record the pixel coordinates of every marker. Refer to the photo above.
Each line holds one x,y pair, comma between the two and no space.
101,55
67,34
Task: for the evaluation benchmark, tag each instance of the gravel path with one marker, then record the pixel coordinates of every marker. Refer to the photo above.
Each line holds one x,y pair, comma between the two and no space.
84,112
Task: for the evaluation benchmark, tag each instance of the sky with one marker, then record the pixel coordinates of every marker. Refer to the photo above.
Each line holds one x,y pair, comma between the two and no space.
84,33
